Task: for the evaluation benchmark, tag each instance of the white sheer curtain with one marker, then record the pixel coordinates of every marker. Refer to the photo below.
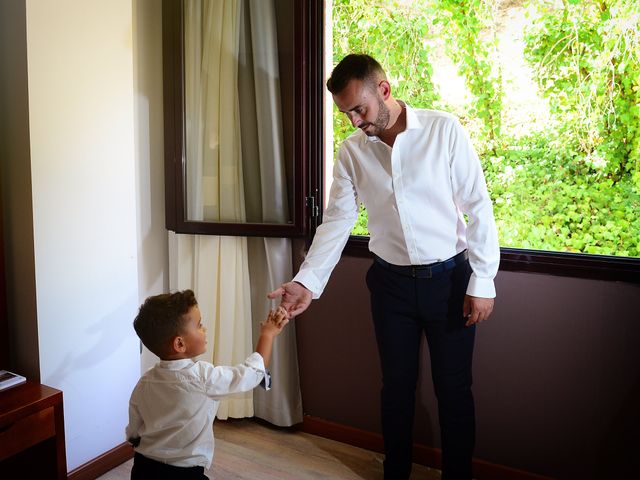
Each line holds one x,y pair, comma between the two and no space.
235,171
269,258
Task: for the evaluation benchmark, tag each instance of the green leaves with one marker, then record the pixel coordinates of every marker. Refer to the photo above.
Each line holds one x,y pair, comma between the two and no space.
570,182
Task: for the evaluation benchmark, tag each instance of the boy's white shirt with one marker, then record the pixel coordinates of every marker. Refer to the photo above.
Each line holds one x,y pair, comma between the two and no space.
174,403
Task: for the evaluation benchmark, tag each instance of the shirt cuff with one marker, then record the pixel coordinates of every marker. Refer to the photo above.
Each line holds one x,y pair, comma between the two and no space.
481,287
310,282
256,362
266,381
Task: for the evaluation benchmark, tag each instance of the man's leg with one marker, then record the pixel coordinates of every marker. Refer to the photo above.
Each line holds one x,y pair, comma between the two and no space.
451,353
398,334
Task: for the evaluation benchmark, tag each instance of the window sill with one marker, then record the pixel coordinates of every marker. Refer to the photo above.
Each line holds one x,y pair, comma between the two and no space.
578,265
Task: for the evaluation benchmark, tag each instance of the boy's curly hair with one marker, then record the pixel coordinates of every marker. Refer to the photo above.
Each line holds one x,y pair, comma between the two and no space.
161,317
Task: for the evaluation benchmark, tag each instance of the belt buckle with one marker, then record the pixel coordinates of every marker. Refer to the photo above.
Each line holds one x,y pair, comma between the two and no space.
415,270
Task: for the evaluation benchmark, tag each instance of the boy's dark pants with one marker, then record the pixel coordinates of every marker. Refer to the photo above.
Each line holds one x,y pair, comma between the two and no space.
147,469
403,308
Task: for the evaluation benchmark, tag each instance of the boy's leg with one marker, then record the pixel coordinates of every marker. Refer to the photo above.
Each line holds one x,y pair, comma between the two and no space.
147,469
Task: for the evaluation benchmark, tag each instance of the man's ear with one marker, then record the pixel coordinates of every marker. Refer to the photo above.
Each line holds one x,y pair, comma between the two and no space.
384,88
179,344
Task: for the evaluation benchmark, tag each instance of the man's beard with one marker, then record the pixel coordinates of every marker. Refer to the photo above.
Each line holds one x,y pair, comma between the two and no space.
380,123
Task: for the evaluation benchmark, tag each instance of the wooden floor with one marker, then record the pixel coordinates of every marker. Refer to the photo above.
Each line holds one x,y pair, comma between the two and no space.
249,450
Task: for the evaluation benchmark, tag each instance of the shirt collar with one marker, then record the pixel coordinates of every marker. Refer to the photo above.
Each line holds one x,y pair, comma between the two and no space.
412,123
176,364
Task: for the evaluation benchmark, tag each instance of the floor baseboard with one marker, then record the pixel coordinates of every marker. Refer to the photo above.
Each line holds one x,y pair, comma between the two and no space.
102,464
422,454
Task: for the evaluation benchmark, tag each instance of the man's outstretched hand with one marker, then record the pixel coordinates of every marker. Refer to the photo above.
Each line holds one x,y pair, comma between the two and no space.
295,297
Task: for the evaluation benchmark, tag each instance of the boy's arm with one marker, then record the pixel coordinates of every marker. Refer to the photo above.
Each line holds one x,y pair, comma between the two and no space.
222,380
270,328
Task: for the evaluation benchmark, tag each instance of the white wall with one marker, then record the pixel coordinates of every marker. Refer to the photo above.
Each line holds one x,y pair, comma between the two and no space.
83,167
153,256
81,142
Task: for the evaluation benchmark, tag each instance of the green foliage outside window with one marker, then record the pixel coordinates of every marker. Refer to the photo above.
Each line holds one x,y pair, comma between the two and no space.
566,181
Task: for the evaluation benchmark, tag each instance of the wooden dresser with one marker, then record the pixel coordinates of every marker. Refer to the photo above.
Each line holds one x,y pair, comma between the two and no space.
32,433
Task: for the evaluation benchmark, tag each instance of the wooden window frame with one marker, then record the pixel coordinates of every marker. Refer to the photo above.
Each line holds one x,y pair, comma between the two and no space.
307,135
564,264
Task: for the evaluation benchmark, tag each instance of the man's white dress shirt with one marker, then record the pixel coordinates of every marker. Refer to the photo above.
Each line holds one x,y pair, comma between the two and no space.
416,194
174,403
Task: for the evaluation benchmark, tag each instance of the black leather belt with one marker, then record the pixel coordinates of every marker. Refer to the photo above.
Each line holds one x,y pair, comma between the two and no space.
424,271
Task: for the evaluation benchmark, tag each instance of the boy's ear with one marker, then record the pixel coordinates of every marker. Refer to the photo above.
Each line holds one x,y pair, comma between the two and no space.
178,344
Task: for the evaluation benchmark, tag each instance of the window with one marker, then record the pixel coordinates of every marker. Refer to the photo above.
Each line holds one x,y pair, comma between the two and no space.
555,128
241,103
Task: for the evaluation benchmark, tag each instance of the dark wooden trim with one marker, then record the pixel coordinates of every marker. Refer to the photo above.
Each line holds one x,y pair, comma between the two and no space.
61,449
172,103
422,454
578,265
5,343
342,433
600,267
315,89
102,464
232,229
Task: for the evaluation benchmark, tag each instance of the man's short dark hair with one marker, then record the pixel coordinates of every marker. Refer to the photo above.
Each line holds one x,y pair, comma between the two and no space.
161,318
357,66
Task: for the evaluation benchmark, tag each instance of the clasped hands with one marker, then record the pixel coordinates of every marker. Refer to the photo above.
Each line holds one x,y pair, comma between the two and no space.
295,298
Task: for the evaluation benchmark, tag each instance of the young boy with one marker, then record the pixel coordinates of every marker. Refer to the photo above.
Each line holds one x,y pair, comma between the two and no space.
172,407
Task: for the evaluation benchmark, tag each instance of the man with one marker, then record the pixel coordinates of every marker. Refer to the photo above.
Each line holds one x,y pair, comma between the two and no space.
417,174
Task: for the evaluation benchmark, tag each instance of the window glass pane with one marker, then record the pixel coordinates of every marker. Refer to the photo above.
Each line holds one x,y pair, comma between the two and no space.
239,140
242,124
549,92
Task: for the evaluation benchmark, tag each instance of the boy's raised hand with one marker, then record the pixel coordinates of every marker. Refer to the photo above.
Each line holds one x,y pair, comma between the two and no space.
270,328
275,322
